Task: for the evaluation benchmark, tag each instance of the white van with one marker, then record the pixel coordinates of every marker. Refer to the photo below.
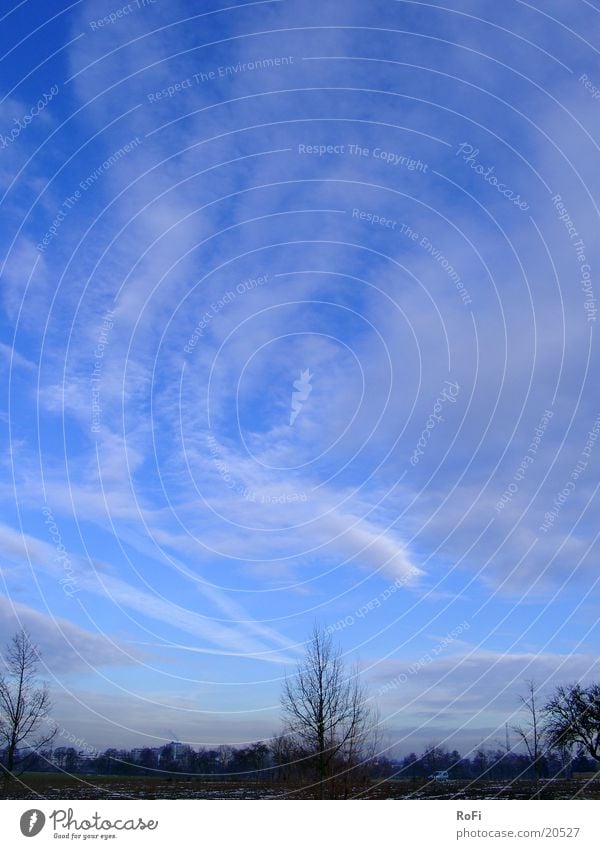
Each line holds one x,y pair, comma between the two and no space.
440,775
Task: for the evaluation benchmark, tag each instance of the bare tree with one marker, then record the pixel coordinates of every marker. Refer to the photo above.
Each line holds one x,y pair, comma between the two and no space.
532,733
326,709
283,752
24,706
573,717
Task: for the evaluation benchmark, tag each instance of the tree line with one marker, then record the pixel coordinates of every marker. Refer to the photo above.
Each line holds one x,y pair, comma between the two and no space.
330,739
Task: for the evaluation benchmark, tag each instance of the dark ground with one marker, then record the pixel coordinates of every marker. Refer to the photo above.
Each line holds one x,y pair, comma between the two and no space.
64,786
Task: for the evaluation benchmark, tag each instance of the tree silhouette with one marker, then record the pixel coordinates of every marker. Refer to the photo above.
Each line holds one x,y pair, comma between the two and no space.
573,717
533,733
326,709
24,706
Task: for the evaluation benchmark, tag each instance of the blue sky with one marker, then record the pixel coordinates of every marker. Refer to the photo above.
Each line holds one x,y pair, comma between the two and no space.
397,199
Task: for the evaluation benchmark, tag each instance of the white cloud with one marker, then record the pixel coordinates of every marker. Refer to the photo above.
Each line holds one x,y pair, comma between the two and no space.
64,647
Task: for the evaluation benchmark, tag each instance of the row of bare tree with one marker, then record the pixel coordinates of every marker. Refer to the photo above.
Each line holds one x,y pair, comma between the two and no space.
330,719
569,718
331,728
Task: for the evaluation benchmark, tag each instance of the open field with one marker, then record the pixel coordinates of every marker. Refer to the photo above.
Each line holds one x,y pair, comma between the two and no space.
63,786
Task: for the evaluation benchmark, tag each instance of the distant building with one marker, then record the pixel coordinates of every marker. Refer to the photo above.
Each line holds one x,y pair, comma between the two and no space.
179,750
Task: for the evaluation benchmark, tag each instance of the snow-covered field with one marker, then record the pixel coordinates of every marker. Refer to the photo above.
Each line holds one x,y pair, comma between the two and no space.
51,786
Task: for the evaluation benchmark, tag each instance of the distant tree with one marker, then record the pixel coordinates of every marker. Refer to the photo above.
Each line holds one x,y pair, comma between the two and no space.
185,758
59,756
287,758
557,763
381,767
435,758
565,752
326,711
259,758
206,761
167,758
225,754
461,767
581,763
24,705
532,733
71,760
458,768
148,758
111,761
250,760
40,761
480,763
411,766
572,716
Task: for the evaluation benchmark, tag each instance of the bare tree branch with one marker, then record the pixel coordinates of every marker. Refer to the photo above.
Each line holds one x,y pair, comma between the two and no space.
24,707
573,716
533,733
326,709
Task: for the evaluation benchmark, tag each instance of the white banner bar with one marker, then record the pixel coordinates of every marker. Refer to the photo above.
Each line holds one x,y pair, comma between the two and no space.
298,824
